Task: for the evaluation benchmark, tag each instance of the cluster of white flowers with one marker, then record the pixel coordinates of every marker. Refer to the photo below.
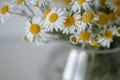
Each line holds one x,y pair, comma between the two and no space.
82,21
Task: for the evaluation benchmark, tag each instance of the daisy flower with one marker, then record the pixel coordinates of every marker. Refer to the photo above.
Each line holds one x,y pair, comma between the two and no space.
78,5
103,19
81,37
54,19
86,19
74,39
71,23
113,4
4,10
107,38
34,30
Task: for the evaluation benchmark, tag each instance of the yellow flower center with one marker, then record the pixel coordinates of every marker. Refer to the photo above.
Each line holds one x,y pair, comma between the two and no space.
87,17
108,34
34,29
102,2
84,36
118,11
46,12
116,2
69,21
74,39
53,17
80,1
20,1
111,16
93,43
4,9
103,19
67,1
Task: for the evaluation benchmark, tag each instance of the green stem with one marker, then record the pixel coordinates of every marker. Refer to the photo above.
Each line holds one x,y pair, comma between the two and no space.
29,9
20,14
91,64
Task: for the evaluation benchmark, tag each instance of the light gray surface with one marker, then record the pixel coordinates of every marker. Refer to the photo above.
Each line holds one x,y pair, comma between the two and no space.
24,61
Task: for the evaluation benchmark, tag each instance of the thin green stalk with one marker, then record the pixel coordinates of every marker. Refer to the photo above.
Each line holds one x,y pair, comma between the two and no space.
20,14
29,9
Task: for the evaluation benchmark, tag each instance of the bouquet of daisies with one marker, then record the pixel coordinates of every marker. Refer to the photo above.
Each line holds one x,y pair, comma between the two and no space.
81,22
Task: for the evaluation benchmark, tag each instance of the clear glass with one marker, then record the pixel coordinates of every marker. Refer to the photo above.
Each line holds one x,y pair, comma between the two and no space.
104,65
72,63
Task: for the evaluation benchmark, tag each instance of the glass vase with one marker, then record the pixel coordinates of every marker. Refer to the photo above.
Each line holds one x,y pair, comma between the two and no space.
87,64
72,63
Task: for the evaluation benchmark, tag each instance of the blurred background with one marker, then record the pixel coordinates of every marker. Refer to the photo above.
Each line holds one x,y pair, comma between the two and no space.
20,60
